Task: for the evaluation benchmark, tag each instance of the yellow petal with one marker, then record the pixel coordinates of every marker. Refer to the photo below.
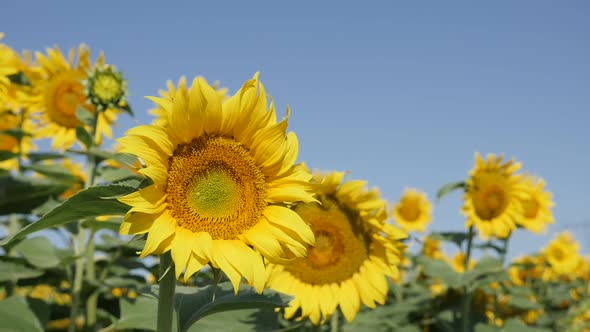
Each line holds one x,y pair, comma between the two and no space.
349,300
137,223
162,228
289,222
156,134
181,249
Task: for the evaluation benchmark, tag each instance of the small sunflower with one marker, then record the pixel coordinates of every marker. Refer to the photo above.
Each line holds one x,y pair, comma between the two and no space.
62,93
7,68
355,252
413,211
11,120
431,248
562,254
536,205
106,88
221,172
161,113
526,268
492,199
458,262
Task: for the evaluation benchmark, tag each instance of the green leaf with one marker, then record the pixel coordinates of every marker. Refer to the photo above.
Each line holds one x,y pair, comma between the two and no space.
482,327
14,270
516,325
85,116
521,302
57,172
247,320
19,78
439,269
138,314
15,315
38,251
86,203
193,304
17,133
449,187
455,237
116,174
21,195
83,136
6,155
39,156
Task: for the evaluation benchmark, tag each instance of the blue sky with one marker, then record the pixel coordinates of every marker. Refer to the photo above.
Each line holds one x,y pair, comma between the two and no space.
401,95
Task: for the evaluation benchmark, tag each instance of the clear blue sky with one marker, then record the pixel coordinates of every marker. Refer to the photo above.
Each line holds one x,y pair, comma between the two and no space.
401,95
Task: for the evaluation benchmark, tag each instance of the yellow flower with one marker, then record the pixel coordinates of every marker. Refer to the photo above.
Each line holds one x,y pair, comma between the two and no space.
562,254
458,262
413,210
117,292
431,248
161,113
525,269
62,93
492,199
221,173
536,206
7,68
355,252
11,120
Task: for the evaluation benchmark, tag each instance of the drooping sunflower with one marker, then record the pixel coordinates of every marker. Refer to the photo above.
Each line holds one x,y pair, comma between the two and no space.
220,172
536,205
355,252
413,211
562,254
492,199
61,93
161,113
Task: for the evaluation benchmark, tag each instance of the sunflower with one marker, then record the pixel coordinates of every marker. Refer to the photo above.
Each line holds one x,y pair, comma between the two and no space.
61,93
458,262
562,254
536,205
221,173
7,68
492,199
161,113
355,252
431,248
13,120
412,212
526,268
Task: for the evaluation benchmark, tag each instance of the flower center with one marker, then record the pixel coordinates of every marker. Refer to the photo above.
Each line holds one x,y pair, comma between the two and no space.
531,208
558,254
491,196
63,96
409,210
106,87
214,186
340,248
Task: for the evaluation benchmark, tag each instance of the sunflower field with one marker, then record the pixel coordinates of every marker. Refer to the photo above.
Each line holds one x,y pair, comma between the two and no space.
205,220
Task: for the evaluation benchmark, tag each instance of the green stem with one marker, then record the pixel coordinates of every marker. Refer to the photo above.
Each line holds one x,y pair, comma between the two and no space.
79,265
334,322
466,293
78,275
166,295
316,328
504,252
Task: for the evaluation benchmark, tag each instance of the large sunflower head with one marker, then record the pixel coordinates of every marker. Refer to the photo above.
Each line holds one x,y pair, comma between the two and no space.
562,254
536,205
221,173
61,93
413,211
492,199
355,252
161,113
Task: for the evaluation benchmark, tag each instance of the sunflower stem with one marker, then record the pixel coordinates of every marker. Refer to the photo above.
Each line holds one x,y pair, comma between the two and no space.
504,251
466,293
334,322
166,294
92,301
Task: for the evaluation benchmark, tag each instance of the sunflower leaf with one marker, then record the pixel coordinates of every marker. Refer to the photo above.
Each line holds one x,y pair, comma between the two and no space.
16,315
84,116
83,136
16,269
449,187
6,155
38,251
56,172
21,195
87,203
193,304
39,156
439,269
